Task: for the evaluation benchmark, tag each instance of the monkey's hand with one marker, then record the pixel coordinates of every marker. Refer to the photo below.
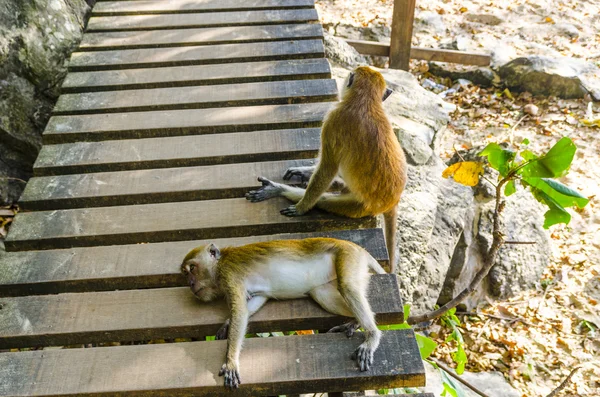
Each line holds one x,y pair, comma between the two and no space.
231,374
223,331
363,356
348,328
268,190
292,210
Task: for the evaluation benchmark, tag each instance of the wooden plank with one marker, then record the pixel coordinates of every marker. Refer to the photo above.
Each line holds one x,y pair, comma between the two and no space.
270,366
180,151
99,127
108,8
200,20
203,36
199,97
180,76
402,26
195,55
165,222
122,267
150,186
168,313
428,54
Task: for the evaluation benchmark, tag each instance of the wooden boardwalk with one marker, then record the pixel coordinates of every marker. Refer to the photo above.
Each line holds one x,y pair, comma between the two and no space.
170,111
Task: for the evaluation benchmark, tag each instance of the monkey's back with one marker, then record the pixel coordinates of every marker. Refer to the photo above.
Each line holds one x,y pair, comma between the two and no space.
372,162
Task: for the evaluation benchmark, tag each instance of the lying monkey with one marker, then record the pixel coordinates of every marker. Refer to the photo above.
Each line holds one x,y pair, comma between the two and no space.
335,273
359,150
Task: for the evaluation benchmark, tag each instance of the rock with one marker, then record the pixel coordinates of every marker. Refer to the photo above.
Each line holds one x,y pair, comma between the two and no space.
431,20
482,76
531,109
433,212
561,77
567,29
342,53
486,19
415,147
490,383
36,37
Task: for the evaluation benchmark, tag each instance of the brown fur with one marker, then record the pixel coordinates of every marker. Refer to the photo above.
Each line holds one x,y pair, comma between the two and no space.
333,272
358,142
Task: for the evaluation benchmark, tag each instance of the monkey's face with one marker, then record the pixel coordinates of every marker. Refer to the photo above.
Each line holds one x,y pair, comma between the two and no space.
196,267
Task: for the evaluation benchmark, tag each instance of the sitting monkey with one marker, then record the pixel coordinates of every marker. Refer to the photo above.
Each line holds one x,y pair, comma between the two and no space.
360,151
335,273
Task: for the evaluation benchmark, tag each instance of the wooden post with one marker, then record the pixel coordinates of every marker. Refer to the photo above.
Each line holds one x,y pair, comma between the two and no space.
402,27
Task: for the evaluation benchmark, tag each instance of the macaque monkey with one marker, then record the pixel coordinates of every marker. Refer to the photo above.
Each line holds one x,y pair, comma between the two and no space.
360,150
335,273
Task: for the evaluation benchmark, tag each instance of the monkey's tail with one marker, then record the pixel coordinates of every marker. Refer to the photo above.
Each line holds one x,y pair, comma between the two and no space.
375,266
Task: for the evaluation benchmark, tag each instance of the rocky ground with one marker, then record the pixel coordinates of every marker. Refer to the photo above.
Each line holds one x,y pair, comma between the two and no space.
538,336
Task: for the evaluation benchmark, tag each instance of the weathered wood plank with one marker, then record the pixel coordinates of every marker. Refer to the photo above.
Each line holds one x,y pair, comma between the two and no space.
97,317
109,8
202,36
200,20
150,186
199,97
195,55
122,267
181,151
100,127
164,222
402,27
180,76
270,366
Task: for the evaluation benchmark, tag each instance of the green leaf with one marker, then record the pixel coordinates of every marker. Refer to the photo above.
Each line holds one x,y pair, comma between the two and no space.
498,158
562,194
448,390
212,337
406,311
525,142
553,164
510,188
426,345
383,391
460,358
263,334
556,213
452,385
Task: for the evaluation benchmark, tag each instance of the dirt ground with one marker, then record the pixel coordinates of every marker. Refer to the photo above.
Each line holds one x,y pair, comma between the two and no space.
536,338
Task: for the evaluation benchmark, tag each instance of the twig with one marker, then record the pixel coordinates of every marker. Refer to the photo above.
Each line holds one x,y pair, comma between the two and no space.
11,178
509,319
520,242
564,382
514,127
458,378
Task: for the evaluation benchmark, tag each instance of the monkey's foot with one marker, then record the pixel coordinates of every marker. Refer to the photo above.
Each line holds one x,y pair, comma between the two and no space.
223,331
363,356
291,211
303,172
268,190
348,328
232,376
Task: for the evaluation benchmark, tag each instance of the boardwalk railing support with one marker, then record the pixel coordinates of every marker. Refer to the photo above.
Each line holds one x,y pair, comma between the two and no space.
400,51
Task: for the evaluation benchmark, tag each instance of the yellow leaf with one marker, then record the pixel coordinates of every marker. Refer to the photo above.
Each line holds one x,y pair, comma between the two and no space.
465,173
507,93
463,9
549,20
590,123
307,332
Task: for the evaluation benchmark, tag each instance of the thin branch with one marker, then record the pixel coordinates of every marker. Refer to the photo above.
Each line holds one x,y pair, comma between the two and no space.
458,378
514,127
509,319
488,263
520,242
564,382
11,178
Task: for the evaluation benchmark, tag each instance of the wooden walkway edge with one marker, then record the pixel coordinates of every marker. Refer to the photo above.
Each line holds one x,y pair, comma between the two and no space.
170,111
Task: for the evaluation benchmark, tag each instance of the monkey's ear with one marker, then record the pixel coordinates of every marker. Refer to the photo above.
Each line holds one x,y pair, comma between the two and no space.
386,94
214,251
350,80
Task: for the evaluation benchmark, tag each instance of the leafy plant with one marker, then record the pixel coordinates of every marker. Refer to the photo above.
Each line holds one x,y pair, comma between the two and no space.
452,322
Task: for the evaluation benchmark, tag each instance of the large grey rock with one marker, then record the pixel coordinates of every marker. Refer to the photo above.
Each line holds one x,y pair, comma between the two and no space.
342,53
433,212
562,77
36,37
